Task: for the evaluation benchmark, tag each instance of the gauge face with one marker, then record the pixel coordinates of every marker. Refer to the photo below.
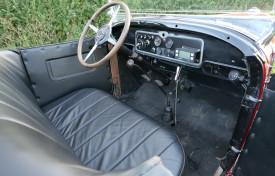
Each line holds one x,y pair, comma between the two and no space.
157,41
233,75
169,43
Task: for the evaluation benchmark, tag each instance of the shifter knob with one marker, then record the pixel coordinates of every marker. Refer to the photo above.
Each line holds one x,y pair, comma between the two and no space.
130,63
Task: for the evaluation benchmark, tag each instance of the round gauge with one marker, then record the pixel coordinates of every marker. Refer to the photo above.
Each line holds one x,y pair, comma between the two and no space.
233,75
157,41
169,43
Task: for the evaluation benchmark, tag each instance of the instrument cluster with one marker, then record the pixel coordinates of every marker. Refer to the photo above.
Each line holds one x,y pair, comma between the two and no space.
181,49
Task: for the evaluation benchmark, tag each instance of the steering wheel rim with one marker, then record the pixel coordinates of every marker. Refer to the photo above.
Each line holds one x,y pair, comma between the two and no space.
103,35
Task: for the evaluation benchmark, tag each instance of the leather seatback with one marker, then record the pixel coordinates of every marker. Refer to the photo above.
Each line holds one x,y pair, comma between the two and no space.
27,136
29,142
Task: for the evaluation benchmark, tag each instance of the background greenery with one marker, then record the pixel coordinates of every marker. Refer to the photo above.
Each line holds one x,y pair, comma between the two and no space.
25,23
265,5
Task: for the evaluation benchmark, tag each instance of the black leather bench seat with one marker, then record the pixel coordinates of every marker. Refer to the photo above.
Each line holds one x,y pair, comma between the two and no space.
84,133
108,135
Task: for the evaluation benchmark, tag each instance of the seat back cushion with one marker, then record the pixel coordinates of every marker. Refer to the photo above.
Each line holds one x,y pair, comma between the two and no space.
29,143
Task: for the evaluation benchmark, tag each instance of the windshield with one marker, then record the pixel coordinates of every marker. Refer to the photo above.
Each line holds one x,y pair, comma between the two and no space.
200,5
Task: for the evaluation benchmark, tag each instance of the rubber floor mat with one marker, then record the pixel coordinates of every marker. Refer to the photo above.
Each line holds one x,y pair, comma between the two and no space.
206,121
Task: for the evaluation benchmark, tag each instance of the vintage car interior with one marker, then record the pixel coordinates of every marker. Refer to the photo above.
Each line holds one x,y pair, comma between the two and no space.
177,97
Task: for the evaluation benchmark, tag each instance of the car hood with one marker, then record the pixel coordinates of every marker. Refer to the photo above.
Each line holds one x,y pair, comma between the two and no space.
257,27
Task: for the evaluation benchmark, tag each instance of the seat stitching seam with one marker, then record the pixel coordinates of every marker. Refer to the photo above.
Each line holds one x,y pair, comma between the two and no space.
63,102
73,106
166,148
132,149
113,141
80,113
118,117
92,119
67,110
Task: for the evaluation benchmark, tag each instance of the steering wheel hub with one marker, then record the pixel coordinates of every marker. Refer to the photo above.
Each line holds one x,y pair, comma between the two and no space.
102,34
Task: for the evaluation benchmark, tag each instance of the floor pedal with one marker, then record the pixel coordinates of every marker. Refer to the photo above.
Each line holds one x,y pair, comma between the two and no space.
195,158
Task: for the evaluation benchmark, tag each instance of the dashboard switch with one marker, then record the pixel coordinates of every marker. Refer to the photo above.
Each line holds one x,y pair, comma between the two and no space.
171,54
140,44
159,51
153,50
147,42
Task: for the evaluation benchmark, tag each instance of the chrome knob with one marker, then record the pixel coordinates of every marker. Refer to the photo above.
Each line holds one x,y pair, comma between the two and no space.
130,63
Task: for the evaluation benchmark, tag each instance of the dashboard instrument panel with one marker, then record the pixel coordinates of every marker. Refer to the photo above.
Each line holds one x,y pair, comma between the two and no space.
178,49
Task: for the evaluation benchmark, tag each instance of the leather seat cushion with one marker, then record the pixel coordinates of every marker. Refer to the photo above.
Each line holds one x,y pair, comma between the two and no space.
108,135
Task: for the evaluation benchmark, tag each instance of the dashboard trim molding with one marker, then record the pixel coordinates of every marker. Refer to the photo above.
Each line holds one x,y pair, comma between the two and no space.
226,65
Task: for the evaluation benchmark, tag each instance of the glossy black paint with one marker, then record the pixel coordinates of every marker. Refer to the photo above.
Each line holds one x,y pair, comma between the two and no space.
258,154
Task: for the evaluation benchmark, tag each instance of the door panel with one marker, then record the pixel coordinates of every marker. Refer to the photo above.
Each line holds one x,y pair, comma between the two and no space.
54,70
66,67
257,158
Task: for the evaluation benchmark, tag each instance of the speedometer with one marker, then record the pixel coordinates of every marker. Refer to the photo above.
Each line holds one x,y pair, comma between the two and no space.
169,43
157,41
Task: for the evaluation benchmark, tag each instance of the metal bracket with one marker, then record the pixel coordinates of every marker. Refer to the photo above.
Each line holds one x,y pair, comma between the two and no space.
255,100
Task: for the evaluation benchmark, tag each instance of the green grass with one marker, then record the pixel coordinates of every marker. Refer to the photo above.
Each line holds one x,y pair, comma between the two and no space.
26,23
265,5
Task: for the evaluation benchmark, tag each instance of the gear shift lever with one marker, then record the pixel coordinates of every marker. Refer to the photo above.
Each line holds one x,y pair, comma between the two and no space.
177,73
176,96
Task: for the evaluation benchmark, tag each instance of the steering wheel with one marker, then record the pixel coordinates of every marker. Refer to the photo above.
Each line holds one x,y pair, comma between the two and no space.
104,34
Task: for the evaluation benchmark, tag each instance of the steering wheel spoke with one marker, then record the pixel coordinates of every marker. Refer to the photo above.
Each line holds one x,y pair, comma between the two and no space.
93,28
114,16
91,52
112,41
104,35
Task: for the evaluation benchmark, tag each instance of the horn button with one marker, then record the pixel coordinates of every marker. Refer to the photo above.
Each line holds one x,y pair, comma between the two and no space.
102,34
